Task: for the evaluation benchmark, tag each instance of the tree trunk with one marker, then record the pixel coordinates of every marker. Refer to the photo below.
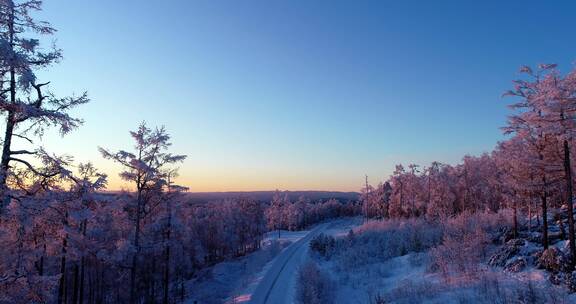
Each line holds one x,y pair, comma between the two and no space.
6,149
466,203
76,284
568,175
41,261
8,133
429,199
82,269
133,271
133,278
167,256
515,218
401,198
166,275
543,197
182,291
81,284
152,282
41,266
530,216
62,287
10,120
558,216
101,286
91,284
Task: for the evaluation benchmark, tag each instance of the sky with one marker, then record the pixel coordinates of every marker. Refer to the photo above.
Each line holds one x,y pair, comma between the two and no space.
298,95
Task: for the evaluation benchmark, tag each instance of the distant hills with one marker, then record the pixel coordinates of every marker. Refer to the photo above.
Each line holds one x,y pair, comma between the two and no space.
264,196
267,195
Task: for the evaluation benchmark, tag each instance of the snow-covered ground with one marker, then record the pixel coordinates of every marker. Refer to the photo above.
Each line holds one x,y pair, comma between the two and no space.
413,278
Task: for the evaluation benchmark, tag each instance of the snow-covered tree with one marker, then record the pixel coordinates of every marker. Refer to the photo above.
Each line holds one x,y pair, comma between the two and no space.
148,168
276,214
544,120
28,106
397,200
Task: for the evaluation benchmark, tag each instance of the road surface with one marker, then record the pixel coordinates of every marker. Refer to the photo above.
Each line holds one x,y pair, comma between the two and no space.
279,282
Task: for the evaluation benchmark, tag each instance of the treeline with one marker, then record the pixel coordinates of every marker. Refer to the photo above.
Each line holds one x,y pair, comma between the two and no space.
235,227
285,215
529,172
439,190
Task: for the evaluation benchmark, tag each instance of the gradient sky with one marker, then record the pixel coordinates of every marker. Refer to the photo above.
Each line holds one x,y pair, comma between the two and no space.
299,94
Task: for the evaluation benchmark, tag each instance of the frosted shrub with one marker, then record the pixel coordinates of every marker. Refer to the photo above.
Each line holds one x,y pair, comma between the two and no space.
553,260
460,253
409,292
378,299
323,244
492,288
378,241
465,243
313,286
487,288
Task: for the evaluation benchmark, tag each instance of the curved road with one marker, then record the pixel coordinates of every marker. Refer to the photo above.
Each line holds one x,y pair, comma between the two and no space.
278,284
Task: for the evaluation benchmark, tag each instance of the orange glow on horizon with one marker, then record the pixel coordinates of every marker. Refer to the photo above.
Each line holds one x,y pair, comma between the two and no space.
235,182
117,185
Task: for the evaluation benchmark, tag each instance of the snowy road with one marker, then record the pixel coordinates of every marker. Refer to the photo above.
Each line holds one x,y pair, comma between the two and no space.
279,282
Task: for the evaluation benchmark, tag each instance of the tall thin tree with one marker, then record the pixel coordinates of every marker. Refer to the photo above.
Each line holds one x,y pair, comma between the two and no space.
148,169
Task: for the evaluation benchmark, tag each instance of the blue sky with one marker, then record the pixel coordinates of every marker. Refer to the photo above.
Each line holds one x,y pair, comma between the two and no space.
299,94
